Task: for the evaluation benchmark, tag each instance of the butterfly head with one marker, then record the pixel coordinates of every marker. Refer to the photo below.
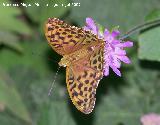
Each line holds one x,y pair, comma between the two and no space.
65,61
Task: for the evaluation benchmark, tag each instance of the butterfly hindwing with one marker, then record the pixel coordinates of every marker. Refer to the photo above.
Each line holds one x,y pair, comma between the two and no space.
82,81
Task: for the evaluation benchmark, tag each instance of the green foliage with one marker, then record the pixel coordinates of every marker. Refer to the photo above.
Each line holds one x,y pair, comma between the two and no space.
10,40
120,109
56,113
10,24
9,16
149,40
149,45
10,97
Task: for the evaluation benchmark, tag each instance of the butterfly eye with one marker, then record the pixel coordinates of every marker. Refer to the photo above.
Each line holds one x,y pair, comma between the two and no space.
65,61
60,64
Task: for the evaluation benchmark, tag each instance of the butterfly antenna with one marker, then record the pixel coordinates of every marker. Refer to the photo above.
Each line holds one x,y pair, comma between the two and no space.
140,27
51,88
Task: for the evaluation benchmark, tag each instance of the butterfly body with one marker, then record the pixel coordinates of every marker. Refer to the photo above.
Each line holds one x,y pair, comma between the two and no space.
82,54
69,59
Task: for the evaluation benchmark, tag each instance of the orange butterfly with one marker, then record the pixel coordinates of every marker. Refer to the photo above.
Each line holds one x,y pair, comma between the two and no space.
82,53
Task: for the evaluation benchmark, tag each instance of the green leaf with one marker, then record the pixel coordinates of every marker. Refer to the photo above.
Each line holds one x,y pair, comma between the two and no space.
10,97
149,45
117,110
56,114
10,40
149,40
145,80
9,20
7,119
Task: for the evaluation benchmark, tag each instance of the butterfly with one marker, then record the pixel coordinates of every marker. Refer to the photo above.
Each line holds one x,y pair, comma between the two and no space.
82,53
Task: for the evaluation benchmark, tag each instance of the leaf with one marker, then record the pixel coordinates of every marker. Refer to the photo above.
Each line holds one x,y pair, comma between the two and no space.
120,106
10,97
149,45
118,110
55,114
146,81
10,40
149,40
7,119
9,20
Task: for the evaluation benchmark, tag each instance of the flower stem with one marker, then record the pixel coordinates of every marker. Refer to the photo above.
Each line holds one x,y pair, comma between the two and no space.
140,27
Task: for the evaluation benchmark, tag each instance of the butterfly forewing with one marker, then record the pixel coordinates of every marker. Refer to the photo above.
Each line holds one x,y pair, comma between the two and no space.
63,38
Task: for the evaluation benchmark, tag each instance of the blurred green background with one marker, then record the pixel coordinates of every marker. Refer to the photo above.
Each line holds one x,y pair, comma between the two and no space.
28,64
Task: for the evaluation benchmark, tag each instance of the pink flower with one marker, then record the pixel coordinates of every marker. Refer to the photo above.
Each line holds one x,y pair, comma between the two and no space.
150,119
114,52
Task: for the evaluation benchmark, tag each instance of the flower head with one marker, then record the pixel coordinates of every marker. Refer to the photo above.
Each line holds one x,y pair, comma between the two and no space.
114,51
150,119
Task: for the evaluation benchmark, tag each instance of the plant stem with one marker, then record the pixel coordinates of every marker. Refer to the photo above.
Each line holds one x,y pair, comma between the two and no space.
140,27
